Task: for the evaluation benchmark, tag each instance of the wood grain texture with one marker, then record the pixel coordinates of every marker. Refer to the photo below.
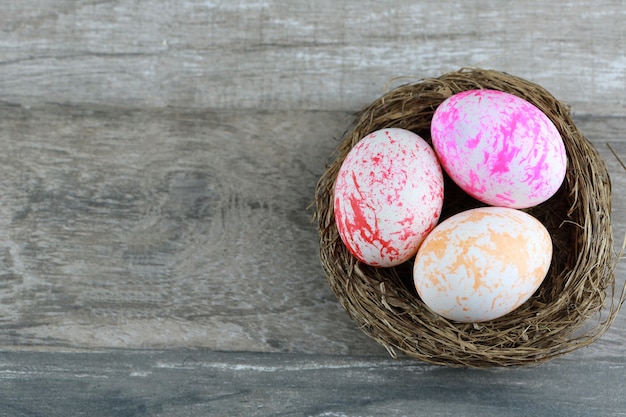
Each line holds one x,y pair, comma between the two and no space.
282,55
130,228
200,384
172,228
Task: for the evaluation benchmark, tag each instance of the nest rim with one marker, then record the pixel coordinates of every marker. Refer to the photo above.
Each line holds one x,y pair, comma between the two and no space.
552,322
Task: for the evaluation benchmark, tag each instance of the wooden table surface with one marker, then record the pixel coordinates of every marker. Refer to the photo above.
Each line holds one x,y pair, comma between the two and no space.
157,257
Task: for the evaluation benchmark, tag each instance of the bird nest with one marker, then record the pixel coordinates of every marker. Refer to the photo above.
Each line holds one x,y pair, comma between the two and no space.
554,321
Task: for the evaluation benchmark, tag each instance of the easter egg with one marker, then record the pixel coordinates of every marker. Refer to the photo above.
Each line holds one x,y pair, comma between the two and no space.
481,264
388,195
499,148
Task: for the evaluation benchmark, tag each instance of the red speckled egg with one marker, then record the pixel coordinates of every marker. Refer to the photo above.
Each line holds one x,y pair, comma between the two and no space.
388,196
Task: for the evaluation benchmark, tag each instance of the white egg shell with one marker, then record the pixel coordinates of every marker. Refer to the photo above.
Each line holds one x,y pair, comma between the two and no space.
388,195
481,264
499,148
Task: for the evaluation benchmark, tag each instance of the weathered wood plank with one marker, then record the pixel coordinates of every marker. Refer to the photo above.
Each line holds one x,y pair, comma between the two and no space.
182,228
164,229
327,55
204,383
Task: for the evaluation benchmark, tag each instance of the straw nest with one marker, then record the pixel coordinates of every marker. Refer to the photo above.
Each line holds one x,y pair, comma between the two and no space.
554,321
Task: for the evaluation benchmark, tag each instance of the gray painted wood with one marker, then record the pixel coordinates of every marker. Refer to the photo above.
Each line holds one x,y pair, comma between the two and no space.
158,158
160,228
204,383
165,228
321,55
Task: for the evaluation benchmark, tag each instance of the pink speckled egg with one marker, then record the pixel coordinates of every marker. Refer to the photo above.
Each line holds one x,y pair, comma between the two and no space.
483,263
499,148
388,196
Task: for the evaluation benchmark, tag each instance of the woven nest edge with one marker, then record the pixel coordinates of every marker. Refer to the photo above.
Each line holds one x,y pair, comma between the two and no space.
555,320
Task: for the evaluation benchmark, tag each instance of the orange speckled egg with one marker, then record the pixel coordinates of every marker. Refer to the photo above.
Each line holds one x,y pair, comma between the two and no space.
481,264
